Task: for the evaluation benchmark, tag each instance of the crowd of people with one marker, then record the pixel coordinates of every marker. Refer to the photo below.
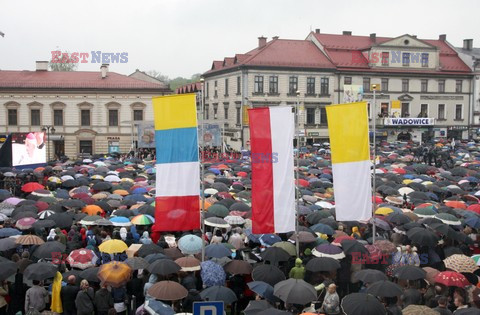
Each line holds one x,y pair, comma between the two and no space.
77,237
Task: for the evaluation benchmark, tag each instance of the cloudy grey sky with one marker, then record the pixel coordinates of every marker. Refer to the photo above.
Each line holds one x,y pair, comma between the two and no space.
183,37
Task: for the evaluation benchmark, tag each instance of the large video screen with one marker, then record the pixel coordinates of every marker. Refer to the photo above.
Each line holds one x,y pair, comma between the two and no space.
28,148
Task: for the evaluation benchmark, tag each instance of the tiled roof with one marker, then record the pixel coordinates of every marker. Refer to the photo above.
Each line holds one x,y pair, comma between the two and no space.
189,88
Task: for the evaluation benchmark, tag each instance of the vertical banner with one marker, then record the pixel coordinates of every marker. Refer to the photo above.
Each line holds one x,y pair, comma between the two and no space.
352,93
177,206
349,142
212,135
245,109
396,109
146,135
273,185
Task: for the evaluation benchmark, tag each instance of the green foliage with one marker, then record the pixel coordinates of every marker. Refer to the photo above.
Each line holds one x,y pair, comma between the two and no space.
176,82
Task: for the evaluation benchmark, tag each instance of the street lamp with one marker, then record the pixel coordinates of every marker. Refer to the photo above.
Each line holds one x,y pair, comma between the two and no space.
49,129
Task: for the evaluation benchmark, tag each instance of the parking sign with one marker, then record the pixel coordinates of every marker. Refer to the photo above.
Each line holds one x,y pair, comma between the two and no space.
208,308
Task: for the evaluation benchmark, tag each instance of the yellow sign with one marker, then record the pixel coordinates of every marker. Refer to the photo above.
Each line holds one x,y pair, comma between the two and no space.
396,109
396,104
245,114
374,87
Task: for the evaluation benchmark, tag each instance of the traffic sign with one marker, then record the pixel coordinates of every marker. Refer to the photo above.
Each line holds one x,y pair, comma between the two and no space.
208,308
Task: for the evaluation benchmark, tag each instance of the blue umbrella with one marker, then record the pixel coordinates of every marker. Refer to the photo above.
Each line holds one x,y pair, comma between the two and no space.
7,232
190,244
214,171
136,197
252,237
155,307
139,190
62,194
263,289
120,221
269,239
473,221
217,251
212,274
322,228
152,257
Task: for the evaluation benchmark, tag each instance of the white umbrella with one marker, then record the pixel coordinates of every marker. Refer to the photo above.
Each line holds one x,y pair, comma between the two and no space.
112,178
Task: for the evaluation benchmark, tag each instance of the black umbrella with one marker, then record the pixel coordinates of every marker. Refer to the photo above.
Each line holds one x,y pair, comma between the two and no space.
39,271
90,274
268,273
74,203
322,264
409,272
384,288
257,307
148,249
62,220
370,275
295,291
137,263
42,224
353,247
154,257
219,293
71,183
6,244
451,250
8,268
422,237
49,249
398,218
163,267
362,303
275,255
102,186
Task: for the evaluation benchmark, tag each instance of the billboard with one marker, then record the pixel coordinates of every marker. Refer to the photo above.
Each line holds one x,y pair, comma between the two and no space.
212,135
146,135
396,109
28,148
409,121
352,93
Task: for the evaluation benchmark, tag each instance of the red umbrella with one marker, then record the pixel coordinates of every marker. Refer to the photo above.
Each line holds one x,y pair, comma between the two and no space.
32,186
452,278
475,208
82,258
338,240
242,174
400,171
303,183
41,205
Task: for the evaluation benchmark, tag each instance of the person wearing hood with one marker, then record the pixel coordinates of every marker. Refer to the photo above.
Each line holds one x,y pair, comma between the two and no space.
355,233
123,234
51,236
151,281
135,235
61,237
145,239
297,272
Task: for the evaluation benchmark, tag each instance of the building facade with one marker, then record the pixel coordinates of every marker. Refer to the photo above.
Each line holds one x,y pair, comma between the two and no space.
421,78
91,112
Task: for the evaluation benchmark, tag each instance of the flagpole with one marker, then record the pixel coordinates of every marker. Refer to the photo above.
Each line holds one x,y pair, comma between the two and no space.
297,156
374,201
202,166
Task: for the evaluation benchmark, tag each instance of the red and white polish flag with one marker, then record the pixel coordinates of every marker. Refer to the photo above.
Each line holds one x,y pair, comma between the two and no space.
273,186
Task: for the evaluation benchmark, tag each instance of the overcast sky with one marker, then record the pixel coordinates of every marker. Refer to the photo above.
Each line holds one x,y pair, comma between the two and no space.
183,37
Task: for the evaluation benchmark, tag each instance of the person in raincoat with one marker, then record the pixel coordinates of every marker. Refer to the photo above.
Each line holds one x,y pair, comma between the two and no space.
151,281
84,300
355,233
51,236
145,239
61,237
56,305
297,272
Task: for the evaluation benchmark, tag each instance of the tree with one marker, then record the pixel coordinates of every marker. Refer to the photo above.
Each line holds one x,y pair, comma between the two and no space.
159,76
63,61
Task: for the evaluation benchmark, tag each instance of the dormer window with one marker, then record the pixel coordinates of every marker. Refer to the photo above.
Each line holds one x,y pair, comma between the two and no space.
406,59
385,58
424,59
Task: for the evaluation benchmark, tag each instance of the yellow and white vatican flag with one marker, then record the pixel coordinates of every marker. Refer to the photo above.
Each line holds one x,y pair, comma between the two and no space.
350,147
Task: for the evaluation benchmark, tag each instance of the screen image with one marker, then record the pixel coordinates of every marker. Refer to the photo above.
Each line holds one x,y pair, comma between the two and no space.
28,148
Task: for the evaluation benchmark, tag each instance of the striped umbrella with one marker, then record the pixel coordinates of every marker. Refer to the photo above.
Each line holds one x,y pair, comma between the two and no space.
460,263
45,214
29,240
143,219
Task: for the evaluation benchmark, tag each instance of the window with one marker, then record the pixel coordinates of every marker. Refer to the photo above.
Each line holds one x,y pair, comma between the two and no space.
458,86
385,58
441,111
424,85
310,115
423,110
258,84
310,86
441,86
207,114
238,115
406,59
225,111
405,85
58,117
239,85
293,85
384,85
324,86
86,146
138,114
215,85
384,110
366,84
215,111
273,85
12,117
424,59
323,116
207,90
113,117
226,87
35,117
347,80
85,117
458,112
405,110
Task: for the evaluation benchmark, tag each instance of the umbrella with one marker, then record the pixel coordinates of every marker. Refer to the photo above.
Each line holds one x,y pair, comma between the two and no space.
384,288
422,237
8,268
419,310
362,303
39,271
154,307
29,240
149,249
318,264
188,263
62,220
268,273
113,247
303,237
275,255
219,293
7,232
7,243
143,219
92,210
385,246
136,263
32,186
153,257
370,275
217,222
48,249
212,273
25,223
322,228
233,219
163,267
90,274
286,246
353,247
120,221
190,244
269,239
257,307
238,267
42,224
460,263
431,273
114,273
263,289
82,258
451,279
328,250
173,253
448,219
167,291
409,272
295,291
217,251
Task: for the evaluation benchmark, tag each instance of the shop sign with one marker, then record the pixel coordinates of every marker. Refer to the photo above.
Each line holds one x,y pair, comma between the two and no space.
409,121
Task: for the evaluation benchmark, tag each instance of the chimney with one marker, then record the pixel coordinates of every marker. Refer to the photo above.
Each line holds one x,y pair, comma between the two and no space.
317,31
275,37
373,37
348,33
41,65
104,70
262,41
414,36
468,44
442,37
